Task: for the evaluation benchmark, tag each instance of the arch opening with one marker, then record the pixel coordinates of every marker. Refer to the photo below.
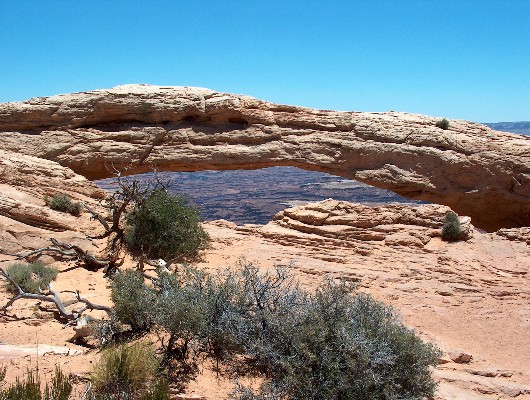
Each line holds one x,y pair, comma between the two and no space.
254,196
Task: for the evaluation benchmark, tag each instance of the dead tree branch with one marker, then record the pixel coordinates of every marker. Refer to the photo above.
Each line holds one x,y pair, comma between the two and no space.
97,216
82,255
88,304
72,251
52,296
45,250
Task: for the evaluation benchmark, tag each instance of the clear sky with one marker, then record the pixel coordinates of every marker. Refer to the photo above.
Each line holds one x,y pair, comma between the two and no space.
466,59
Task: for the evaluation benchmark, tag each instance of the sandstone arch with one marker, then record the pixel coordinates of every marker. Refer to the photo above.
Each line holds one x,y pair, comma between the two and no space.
476,171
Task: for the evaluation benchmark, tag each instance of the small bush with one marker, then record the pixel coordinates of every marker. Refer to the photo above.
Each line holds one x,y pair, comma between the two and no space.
165,226
31,277
339,345
133,300
451,230
128,372
180,310
30,388
63,202
443,124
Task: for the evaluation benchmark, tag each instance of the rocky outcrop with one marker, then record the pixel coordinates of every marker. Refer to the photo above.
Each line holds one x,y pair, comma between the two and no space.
470,297
474,170
521,234
362,227
26,222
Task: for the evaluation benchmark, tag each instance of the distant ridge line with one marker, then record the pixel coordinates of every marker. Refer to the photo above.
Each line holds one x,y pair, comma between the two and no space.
521,127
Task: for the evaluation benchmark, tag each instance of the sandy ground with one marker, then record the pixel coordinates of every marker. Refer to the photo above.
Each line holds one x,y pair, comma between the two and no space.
469,298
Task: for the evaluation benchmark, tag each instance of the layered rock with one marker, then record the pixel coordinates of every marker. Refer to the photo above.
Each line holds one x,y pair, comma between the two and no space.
26,222
474,170
471,297
360,227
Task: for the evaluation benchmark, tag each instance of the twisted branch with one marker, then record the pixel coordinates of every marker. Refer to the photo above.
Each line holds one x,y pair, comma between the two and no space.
52,296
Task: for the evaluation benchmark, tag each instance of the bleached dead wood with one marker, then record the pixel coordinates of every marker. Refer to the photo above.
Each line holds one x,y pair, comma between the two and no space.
52,296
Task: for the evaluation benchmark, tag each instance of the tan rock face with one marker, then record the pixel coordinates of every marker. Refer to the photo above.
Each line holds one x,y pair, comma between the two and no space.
471,298
476,171
25,220
359,227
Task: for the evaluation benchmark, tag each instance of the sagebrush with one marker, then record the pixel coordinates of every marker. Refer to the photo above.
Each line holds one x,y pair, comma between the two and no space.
64,203
31,277
334,343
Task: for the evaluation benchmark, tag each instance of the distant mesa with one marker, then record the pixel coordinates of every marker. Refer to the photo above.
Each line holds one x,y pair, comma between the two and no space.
469,167
520,127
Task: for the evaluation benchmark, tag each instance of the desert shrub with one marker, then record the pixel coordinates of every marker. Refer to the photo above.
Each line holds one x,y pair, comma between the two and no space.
180,310
31,277
128,371
333,343
164,225
225,311
451,230
63,202
336,344
133,299
443,124
29,388
260,304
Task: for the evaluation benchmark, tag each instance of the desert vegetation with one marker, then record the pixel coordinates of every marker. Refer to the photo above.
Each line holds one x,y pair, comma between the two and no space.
128,371
30,387
164,225
443,124
328,343
332,343
30,277
123,372
451,230
62,202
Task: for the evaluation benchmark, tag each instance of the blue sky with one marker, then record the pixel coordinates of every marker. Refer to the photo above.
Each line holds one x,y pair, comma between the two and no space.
454,58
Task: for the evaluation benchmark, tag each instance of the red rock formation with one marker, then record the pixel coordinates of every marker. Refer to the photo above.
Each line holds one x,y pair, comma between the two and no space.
476,171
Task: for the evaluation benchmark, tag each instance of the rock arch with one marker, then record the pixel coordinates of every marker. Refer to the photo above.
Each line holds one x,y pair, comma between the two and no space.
476,171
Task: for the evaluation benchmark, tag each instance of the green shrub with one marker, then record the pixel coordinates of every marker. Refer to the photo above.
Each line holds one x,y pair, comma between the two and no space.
30,388
335,343
133,300
63,202
443,124
451,230
31,277
165,226
180,310
338,345
128,372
